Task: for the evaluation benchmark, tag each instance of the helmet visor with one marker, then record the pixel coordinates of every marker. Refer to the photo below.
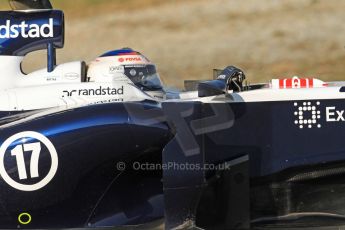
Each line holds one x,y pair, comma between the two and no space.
144,76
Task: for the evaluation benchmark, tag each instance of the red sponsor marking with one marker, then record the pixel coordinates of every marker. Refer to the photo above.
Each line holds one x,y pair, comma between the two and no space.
296,83
130,59
311,82
133,59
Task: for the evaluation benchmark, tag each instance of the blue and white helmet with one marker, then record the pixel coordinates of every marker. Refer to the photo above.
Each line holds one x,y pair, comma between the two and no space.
125,65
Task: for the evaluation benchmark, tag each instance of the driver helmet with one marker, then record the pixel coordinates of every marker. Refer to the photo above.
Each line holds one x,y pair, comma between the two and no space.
129,66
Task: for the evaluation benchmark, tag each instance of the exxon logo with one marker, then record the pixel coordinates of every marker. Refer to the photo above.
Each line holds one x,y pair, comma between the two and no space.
27,30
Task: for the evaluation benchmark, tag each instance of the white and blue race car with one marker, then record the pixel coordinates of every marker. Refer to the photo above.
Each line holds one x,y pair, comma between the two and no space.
107,146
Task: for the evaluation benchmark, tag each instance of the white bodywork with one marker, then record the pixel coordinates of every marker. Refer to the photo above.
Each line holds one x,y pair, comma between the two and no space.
62,87
71,94
11,75
268,94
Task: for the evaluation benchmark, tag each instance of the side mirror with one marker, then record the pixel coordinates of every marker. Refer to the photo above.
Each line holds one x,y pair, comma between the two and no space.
230,78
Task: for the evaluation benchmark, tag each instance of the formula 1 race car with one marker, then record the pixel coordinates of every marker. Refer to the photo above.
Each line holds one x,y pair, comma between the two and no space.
107,146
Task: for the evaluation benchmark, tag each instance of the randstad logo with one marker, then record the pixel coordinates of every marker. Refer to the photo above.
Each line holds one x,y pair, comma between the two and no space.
27,30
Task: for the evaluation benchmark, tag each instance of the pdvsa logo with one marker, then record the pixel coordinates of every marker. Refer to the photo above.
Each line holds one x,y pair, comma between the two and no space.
26,30
130,59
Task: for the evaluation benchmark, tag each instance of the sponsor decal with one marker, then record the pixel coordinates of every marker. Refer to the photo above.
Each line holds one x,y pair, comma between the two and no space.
107,101
116,69
27,30
52,78
159,97
101,91
71,76
295,82
307,114
221,77
129,59
334,115
17,148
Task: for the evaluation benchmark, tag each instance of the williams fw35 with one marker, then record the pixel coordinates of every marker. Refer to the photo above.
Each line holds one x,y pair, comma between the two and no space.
105,145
